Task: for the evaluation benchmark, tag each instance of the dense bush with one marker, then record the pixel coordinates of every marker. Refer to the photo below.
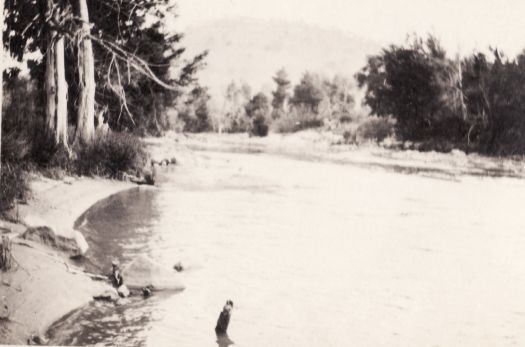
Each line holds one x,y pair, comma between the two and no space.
258,111
495,103
111,155
195,114
417,85
259,126
16,148
13,185
233,117
297,119
375,129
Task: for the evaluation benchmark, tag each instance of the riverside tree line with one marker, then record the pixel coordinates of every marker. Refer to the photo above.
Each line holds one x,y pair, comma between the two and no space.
413,93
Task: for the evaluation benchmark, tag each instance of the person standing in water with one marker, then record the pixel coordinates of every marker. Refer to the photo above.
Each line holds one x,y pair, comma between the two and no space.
116,277
221,328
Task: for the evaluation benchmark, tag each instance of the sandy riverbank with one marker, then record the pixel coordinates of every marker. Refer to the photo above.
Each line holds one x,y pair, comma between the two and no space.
44,286
314,145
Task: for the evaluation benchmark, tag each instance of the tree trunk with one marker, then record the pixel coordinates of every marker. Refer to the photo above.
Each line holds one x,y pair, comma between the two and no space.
56,87
86,68
61,111
5,253
51,84
56,91
1,79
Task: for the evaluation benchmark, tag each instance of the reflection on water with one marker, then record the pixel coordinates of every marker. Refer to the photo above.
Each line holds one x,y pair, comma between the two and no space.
122,324
224,341
313,254
119,227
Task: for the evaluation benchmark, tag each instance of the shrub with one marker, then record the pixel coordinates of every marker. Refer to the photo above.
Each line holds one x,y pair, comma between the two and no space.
15,148
376,129
258,111
297,119
235,124
195,113
259,126
45,151
13,185
350,136
111,154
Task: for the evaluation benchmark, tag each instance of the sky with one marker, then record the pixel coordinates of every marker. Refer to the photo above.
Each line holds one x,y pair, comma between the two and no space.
462,25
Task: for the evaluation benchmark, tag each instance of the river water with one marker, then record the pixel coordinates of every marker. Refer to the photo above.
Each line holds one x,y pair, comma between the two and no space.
312,254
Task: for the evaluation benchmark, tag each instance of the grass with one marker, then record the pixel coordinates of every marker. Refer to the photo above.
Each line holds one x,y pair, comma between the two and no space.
110,155
13,185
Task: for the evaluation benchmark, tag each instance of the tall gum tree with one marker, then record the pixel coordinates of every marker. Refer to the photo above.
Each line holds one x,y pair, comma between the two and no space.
1,78
55,79
86,72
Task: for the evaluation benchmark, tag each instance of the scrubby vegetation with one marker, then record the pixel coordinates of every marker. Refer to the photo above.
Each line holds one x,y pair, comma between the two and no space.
110,155
13,185
28,145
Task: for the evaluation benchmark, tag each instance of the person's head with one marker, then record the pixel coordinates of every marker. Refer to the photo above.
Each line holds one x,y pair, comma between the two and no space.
115,265
229,305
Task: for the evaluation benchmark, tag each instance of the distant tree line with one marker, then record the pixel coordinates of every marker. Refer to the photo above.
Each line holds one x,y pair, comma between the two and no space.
413,93
476,103
312,102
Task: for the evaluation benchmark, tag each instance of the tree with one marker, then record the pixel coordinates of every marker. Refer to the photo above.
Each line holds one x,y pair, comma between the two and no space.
495,101
417,85
86,77
308,93
136,98
139,66
41,25
280,95
1,79
234,112
55,75
339,98
195,113
258,110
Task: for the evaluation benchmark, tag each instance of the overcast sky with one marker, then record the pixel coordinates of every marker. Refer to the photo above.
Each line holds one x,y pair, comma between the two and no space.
460,24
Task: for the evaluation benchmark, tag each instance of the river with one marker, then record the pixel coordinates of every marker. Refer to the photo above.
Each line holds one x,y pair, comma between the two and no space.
312,254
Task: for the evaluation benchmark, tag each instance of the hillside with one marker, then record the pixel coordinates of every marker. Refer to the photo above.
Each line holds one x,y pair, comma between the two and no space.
252,50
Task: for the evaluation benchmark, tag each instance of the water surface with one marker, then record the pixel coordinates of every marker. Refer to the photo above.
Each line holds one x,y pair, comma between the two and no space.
313,254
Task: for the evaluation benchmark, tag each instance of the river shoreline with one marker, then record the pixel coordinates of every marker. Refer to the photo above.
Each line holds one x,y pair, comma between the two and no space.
323,146
45,285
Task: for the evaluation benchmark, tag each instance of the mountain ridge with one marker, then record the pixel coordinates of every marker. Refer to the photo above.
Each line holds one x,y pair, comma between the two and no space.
252,50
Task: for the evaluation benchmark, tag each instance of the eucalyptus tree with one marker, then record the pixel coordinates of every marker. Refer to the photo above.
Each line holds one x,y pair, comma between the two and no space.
1,80
120,54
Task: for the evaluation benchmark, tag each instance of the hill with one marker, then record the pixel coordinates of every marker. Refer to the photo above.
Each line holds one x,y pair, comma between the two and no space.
253,50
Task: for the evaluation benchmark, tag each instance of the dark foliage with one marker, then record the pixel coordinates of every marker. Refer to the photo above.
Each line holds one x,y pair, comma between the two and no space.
13,185
308,93
195,112
111,155
495,100
280,95
258,110
418,86
129,99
